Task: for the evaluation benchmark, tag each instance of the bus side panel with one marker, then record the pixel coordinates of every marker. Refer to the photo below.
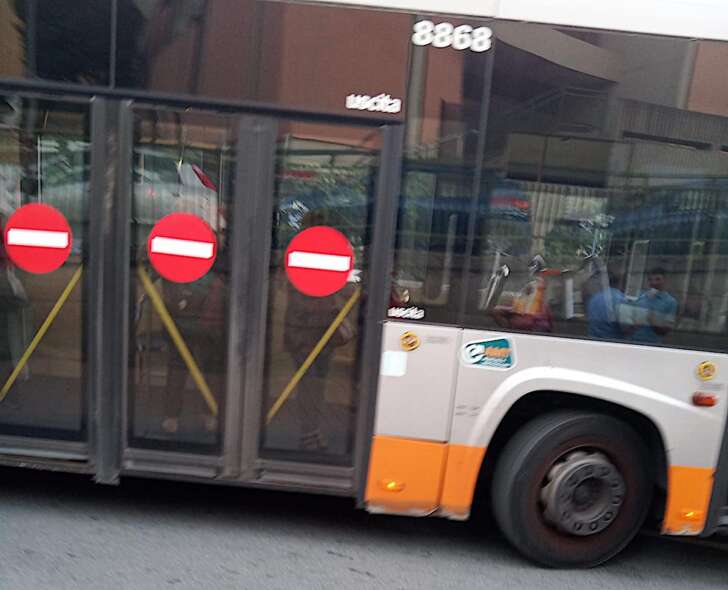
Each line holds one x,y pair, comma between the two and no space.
413,418
656,382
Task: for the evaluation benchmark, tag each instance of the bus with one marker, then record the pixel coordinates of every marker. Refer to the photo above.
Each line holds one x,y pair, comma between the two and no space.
437,259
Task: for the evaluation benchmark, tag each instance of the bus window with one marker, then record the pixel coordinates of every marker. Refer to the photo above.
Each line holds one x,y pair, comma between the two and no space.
183,163
440,173
621,191
430,250
284,53
63,40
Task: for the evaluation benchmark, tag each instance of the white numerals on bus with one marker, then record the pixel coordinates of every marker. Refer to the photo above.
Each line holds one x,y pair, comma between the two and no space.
441,35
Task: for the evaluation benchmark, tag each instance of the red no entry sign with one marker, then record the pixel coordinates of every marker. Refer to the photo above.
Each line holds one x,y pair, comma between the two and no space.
319,260
38,238
182,247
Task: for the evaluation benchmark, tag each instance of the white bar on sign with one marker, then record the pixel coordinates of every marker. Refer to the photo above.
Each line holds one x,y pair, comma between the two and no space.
177,247
318,261
39,238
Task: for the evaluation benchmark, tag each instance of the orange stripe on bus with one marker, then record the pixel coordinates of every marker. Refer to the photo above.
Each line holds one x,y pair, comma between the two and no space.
688,495
461,476
405,476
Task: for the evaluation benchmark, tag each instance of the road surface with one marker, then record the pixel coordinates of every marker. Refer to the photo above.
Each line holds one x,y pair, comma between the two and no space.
61,532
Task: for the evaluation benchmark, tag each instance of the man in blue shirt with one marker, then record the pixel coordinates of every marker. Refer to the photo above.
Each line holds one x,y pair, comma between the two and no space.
661,310
602,310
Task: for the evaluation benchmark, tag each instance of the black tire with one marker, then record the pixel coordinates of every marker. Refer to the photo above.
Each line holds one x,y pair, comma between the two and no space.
526,461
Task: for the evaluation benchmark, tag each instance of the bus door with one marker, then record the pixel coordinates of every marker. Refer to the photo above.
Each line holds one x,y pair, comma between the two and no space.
45,297
331,208
258,253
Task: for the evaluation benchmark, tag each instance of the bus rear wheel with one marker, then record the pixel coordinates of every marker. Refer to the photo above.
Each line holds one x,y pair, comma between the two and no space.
571,489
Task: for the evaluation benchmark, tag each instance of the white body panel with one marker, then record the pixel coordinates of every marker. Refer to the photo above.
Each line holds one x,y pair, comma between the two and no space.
700,19
657,382
416,400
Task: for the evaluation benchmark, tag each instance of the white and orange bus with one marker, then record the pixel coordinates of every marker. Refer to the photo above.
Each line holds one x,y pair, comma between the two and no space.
427,256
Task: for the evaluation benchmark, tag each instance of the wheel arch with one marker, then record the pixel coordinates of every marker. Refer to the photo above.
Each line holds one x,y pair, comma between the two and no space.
539,402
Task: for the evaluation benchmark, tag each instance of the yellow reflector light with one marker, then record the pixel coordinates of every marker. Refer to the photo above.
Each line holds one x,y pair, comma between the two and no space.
392,485
692,514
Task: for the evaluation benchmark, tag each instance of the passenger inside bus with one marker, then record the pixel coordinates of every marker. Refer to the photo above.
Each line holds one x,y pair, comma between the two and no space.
653,315
199,311
602,308
306,320
172,402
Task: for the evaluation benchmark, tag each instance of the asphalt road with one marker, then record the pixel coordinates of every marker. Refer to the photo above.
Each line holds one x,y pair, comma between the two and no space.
60,532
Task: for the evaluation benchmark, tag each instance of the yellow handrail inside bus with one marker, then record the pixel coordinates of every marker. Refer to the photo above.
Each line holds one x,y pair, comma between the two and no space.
44,327
286,393
179,342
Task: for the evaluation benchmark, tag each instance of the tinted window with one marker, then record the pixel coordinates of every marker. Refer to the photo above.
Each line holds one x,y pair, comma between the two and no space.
294,55
186,46
327,58
602,212
64,40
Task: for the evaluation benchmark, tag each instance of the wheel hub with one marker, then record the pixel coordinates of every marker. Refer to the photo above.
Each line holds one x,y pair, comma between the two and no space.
583,493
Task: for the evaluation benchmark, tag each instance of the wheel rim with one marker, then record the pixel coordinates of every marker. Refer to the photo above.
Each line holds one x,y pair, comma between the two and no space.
582,494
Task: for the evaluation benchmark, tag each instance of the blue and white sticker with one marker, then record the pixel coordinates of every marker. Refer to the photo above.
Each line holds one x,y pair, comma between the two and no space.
494,353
